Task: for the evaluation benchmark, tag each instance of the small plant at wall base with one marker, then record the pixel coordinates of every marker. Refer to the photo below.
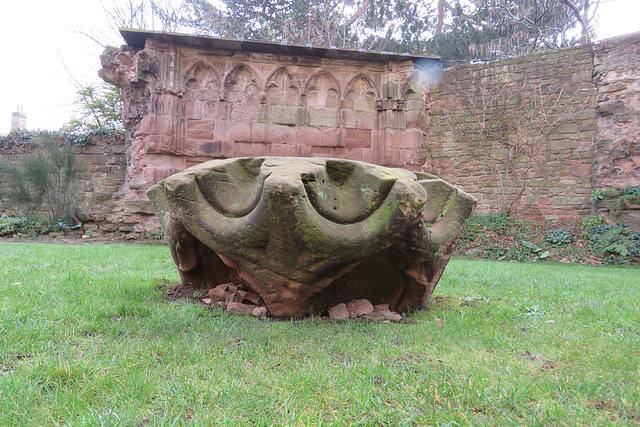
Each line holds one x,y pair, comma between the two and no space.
26,226
592,221
46,180
558,237
631,194
596,195
616,200
510,238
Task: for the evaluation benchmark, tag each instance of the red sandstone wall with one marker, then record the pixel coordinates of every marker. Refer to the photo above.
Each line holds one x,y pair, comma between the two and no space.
560,187
186,105
103,163
617,150
617,73
190,105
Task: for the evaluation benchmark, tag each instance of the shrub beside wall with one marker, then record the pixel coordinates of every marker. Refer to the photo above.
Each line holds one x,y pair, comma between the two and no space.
102,157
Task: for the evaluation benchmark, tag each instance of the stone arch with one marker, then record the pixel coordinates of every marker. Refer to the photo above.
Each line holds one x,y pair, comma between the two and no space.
202,83
202,94
361,94
322,91
242,93
282,88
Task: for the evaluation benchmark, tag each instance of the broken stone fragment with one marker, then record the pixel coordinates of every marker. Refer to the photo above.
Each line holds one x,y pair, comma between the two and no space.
339,312
260,311
377,316
253,298
306,234
363,309
358,308
240,308
234,297
389,315
381,307
219,293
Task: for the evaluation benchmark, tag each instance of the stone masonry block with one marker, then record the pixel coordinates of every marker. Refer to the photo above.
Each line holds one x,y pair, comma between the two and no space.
348,153
200,124
244,113
215,149
200,133
415,119
561,144
358,138
567,201
214,110
248,149
413,104
331,137
567,128
411,139
259,132
284,115
232,131
285,150
581,76
193,110
317,151
187,147
280,134
158,144
304,150
156,174
369,155
307,136
361,105
323,117
349,118
156,125
367,119
163,104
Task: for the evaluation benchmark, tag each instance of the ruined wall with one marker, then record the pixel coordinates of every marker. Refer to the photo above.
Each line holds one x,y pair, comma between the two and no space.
187,105
594,145
617,73
617,150
100,184
554,174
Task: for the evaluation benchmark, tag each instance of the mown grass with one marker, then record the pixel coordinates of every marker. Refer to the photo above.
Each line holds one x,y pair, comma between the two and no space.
88,336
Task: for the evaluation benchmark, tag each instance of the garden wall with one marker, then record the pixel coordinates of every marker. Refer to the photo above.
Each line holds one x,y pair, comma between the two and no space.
100,184
555,173
591,141
191,99
617,148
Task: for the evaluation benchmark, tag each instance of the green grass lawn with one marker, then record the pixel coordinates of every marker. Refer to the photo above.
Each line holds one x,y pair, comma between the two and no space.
88,336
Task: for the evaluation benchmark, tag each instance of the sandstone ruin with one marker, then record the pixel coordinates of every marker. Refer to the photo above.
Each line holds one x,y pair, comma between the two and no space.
193,99
597,150
307,234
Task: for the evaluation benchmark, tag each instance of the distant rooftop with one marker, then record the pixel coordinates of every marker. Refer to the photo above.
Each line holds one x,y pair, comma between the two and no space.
138,38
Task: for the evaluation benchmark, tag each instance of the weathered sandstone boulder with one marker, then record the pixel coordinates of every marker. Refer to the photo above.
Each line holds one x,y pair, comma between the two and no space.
306,234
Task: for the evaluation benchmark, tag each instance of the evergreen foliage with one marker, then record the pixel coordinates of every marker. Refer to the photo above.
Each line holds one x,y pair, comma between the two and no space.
98,109
44,180
558,237
454,30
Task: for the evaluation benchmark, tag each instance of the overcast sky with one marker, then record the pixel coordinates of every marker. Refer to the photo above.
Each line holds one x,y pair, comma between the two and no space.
45,53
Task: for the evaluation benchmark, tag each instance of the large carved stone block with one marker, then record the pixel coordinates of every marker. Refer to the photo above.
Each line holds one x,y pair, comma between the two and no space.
307,234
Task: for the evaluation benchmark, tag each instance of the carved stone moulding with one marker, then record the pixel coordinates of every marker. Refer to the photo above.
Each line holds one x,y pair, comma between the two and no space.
309,233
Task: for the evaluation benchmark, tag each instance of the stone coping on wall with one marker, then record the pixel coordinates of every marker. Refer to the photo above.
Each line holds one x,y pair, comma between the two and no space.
138,38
